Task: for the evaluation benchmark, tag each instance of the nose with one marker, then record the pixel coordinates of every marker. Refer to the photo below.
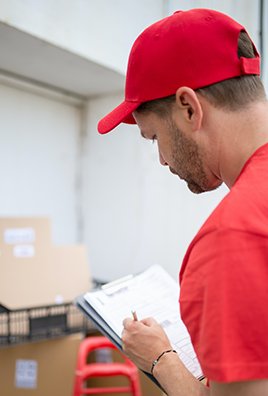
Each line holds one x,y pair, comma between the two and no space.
162,160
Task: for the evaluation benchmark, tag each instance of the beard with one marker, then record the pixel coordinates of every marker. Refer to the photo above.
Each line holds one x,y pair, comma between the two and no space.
187,161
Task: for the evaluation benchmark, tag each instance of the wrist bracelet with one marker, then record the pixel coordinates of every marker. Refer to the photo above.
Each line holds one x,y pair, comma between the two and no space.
159,357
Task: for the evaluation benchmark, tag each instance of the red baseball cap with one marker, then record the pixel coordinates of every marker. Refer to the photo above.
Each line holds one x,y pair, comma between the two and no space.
192,48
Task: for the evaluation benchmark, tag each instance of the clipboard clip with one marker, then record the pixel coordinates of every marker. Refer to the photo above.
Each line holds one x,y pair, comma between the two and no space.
117,281
111,287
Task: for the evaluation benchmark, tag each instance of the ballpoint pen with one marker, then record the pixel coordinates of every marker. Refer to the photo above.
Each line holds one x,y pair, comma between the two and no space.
134,314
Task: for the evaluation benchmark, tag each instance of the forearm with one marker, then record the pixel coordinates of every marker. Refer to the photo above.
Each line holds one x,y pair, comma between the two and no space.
176,380
145,342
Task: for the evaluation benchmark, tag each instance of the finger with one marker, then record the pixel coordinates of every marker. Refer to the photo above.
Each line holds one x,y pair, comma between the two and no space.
127,322
149,321
122,345
124,338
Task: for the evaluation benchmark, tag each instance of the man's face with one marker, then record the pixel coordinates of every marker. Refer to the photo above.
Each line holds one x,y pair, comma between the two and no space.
177,151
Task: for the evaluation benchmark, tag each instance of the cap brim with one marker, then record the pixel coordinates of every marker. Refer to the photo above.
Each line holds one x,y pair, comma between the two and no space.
122,113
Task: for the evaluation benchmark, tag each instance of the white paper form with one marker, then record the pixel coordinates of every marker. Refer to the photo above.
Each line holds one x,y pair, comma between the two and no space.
152,293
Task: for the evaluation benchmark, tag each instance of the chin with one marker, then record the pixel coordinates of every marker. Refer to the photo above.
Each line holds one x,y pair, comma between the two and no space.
197,189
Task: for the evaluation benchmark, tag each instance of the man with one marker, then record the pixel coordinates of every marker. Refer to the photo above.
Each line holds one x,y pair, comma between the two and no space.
193,86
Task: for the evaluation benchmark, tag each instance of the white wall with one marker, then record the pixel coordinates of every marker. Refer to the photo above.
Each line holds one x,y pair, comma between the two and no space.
38,160
246,12
136,212
139,213
100,30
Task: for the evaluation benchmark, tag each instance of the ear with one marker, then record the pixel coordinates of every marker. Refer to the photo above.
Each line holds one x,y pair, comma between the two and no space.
190,107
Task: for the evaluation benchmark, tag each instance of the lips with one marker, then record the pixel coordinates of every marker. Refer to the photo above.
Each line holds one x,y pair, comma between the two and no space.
173,171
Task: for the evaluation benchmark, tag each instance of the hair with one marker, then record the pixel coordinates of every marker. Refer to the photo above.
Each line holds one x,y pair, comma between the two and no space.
232,94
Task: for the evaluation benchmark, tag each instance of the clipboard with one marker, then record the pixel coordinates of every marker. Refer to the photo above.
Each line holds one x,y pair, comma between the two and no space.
106,330
108,305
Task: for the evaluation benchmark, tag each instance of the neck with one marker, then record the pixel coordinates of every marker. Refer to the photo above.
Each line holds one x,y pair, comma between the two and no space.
238,135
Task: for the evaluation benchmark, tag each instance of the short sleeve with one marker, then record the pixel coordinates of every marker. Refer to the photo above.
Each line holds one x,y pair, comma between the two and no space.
223,300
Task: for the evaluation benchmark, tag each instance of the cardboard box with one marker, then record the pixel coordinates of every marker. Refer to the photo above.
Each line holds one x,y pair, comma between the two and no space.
148,388
24,236
33,271
39,282
45,368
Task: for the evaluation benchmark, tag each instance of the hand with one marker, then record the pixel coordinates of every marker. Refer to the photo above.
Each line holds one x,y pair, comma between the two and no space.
143,341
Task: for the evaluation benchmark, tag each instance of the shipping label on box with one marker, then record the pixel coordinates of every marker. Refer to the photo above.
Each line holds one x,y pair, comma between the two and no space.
42,368
26,374
23,251
14,236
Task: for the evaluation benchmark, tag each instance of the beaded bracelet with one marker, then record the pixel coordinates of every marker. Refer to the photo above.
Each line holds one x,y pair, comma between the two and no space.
159,357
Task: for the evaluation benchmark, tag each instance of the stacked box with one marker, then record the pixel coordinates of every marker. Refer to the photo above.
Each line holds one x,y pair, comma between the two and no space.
39,282
39,368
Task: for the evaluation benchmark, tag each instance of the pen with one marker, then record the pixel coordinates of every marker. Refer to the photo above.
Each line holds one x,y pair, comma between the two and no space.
134,314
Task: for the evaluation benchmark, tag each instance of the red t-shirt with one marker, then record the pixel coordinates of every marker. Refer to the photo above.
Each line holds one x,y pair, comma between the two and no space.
224,281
